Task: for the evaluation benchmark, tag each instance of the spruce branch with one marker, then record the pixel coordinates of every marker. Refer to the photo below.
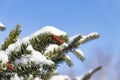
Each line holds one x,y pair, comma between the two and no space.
90,74
12,38
57,54
40,53
21,68
68,60
17,53
42,40
87,38
79,54
26,69
72,43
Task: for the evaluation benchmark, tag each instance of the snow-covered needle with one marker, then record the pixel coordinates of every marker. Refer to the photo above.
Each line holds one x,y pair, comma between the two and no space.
79,54
2,26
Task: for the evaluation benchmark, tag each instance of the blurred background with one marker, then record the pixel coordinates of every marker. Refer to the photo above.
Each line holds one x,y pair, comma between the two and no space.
73,17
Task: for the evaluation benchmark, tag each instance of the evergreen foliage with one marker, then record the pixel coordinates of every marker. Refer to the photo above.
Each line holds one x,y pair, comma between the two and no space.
51,48
12,38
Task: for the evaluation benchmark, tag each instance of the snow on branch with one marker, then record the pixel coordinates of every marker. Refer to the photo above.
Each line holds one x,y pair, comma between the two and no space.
2,26
79,54
60,77
3,57
41,52
89,37
48,29
88,75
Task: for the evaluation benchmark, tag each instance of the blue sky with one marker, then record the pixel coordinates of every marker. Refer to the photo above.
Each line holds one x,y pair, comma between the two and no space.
72,16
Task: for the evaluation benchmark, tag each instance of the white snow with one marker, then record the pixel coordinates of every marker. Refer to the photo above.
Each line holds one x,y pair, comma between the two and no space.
30,48
15,77
38,57
2,25
35,56
82,76
93,33
73,37
90,71
3,57
83,38
68,57
60,77
51,48
12,47
64,45
25,40
88,37
46,29
23,60
78,51
37,78
79,77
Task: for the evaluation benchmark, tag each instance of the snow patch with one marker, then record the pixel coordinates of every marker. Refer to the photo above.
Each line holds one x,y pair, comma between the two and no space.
68,57
25,40
51,48
60,77
23,60
79,77
35,56
3,57
48,29
79,52
73,37
15,77
12,47
2,25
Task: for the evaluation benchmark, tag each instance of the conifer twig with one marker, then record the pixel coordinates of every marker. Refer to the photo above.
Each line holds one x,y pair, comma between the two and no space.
12,38
90,74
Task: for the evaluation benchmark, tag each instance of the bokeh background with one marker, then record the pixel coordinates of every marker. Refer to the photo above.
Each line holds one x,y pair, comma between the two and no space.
73,17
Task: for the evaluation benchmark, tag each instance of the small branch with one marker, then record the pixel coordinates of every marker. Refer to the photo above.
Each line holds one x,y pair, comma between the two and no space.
89,75
87,38
12,38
